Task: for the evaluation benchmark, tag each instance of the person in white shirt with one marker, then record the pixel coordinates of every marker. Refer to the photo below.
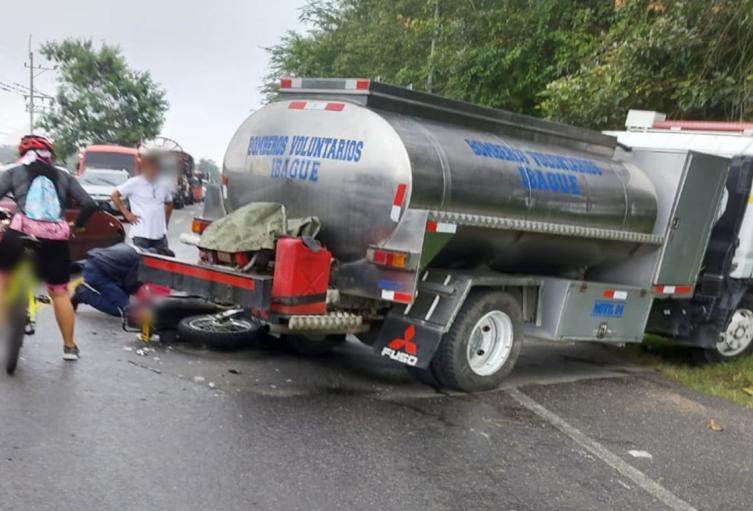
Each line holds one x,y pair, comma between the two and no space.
151,204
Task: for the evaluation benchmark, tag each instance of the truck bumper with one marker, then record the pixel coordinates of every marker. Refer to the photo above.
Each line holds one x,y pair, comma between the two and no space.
213,283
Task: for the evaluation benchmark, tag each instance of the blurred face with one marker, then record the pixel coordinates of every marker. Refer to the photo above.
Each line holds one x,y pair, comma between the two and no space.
149,169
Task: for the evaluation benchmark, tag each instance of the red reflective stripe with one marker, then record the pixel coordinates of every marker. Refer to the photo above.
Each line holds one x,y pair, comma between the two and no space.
399,194
704,125
362,84
674,290
335,107
200,273
431,226
297,105
402,297
286,83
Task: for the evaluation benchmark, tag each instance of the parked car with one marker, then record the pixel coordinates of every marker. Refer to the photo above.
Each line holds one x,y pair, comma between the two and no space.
100,183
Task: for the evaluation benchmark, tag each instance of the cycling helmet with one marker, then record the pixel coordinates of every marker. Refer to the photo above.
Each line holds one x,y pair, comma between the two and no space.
35,142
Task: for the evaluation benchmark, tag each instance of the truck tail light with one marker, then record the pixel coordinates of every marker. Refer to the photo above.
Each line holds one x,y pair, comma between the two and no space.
199,225
390,258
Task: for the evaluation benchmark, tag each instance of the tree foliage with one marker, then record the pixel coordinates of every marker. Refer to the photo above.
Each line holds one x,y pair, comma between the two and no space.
581,61
100,99
686,58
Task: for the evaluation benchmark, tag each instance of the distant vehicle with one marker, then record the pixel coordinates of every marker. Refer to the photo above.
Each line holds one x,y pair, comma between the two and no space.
109,157
100,183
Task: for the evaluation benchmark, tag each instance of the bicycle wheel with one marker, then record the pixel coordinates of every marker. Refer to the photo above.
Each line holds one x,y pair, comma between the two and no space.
15,334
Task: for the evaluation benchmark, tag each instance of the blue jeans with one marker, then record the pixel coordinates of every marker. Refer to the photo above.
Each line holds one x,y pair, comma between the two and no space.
102,293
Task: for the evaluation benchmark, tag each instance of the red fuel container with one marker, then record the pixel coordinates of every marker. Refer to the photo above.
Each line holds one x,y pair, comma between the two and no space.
301,278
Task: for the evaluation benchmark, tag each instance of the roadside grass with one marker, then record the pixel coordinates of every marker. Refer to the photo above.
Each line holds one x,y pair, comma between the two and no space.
727,380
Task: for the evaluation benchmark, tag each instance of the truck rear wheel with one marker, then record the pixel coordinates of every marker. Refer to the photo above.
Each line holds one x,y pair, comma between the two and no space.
734,342
483,344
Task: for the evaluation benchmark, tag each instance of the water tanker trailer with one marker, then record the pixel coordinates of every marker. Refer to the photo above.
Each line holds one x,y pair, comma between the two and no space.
452,231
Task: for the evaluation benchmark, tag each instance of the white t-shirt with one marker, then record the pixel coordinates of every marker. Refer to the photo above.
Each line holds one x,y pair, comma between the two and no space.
147,201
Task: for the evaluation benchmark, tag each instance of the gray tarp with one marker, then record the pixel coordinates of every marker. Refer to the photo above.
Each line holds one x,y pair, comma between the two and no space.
255,227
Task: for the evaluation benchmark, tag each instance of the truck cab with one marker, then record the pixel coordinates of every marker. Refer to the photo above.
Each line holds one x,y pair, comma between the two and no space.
109,157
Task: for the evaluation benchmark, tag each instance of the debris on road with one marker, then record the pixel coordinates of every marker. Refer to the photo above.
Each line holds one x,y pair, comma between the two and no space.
144,352
211,385
640,454
712,425
233,371
198,379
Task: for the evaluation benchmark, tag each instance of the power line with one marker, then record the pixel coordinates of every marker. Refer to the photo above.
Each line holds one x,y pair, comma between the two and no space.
12,87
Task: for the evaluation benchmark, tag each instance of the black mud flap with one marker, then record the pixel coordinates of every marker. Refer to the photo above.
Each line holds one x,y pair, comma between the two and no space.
406,342
411,334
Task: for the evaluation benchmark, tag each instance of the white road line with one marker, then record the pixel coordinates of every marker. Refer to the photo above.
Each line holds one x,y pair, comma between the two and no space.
649,485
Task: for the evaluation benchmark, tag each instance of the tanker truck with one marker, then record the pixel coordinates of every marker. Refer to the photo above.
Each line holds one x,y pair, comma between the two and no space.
451,232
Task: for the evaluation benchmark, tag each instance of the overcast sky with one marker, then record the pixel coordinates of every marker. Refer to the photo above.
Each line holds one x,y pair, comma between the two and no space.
207,54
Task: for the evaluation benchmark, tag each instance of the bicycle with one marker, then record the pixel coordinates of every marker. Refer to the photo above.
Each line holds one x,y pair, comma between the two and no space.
20,306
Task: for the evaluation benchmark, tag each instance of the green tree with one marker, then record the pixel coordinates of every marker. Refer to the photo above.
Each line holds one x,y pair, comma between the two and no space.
686,58
585,62
100,99
492,52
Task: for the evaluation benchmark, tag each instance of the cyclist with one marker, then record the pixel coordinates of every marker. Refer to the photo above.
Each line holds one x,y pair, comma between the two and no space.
41,192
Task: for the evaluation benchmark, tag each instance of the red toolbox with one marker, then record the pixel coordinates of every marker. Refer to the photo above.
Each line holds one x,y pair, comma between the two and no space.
301,277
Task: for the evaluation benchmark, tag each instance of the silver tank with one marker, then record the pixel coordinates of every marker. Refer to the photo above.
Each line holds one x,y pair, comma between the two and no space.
346,163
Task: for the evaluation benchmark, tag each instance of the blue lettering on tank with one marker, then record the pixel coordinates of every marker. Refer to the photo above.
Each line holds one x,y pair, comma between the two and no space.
549,172
300,157
536,179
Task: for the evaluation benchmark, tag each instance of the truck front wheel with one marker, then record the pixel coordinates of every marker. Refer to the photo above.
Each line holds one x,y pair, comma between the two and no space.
734,342
482,346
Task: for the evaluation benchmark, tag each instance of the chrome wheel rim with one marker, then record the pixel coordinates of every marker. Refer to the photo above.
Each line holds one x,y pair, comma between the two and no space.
738,335
490,343
223,326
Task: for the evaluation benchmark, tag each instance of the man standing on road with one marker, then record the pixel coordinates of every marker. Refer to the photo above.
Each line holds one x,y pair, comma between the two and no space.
151,204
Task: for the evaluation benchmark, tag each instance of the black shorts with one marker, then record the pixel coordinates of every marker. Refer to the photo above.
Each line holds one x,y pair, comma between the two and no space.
52,259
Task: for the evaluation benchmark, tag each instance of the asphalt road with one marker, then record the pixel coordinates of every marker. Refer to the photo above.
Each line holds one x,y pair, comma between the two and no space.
182,428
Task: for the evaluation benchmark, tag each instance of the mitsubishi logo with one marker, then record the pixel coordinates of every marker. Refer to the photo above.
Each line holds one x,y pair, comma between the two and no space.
405,345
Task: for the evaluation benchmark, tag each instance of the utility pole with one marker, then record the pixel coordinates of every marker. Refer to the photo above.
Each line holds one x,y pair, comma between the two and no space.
435,34
33,74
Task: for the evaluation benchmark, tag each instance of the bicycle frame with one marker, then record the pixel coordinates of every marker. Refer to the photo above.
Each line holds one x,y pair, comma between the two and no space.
21,284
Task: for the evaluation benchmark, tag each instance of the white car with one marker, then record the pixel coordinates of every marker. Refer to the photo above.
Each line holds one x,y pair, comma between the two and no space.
100,183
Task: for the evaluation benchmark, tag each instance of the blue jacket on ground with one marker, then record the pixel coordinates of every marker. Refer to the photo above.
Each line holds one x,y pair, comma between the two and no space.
120,263
110,277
